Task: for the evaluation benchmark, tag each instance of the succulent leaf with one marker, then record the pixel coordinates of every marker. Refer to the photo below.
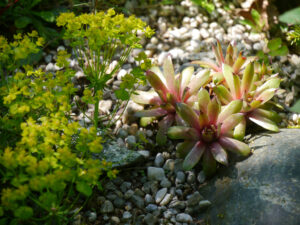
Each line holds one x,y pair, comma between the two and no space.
239,130
186,76
203,100
209,164
231,122
264,122
227,72
146,97
219,154
213,110
151,113
235,146
266,95
238,63
223,94
183,148
198,81
182,132
188,115
194,156
233,107
157,84
247,79
168,71
271,83
207,65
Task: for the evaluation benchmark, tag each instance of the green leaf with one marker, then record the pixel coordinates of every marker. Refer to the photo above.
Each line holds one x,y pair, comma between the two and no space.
291,16
48,199
296,107
23,212
274,44
48,16
256,16
282,51
22,22
84,188
122,94
247,22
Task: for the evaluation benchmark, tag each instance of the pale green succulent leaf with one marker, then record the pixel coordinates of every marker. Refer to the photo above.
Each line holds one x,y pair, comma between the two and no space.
235,146
188,115
203,100
219,154
231,122
223,94
182,132
264,122
233,107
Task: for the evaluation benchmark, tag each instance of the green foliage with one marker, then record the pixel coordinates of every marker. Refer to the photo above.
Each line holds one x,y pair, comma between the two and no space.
30,13
44,172
15,54
275,47
206,4
291,16
256,24
296,107
97,39
294,35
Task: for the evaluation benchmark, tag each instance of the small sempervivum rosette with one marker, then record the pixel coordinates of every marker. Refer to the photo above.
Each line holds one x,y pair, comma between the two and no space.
233,58
255,94
169,89
209,134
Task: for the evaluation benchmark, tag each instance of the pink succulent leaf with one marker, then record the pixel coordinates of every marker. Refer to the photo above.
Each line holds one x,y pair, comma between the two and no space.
271,83
151,113
206,64
188,115
209,164
220,51
198,81
157,84
192,100
146,97
264,122
223,94
228,57
169,74
159,73
239,62
203,100
231,122
237,86
266,95
233,107
235,146
186,75
247,79
171,99
219,154
164,124
183,148
217,55
194,156
240,130
213,110
182,132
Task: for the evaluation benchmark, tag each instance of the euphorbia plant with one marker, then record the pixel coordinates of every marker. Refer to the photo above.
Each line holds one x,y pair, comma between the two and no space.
209,134
254,93
169,89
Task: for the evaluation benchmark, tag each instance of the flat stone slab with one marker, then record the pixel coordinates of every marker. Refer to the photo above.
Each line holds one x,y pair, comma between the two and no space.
120,156
263,189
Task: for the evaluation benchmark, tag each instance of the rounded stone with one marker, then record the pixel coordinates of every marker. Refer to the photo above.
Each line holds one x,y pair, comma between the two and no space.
155,173
159,160
160,195
184,218
107,207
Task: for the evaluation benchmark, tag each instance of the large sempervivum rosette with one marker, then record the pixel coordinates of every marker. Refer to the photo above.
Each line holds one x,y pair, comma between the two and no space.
233,58
209,133
255,93
169,89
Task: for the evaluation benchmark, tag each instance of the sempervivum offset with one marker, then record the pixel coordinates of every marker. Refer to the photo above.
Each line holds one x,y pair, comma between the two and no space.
255,94
209,134
169,89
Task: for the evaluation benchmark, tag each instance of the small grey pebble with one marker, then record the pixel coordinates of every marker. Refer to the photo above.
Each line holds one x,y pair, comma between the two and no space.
204,204
148,199
128,194
159,160
160,195
151,208
92,216
191,177
165,183
184,218
127,215
201,177
115,220
180,177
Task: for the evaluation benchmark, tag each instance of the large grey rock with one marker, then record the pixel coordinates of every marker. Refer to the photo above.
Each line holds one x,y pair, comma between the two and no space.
263,189
120,156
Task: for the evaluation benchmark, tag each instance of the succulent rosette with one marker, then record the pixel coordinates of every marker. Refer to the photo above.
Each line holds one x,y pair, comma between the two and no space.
233,58
255,94
209,134
169,89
